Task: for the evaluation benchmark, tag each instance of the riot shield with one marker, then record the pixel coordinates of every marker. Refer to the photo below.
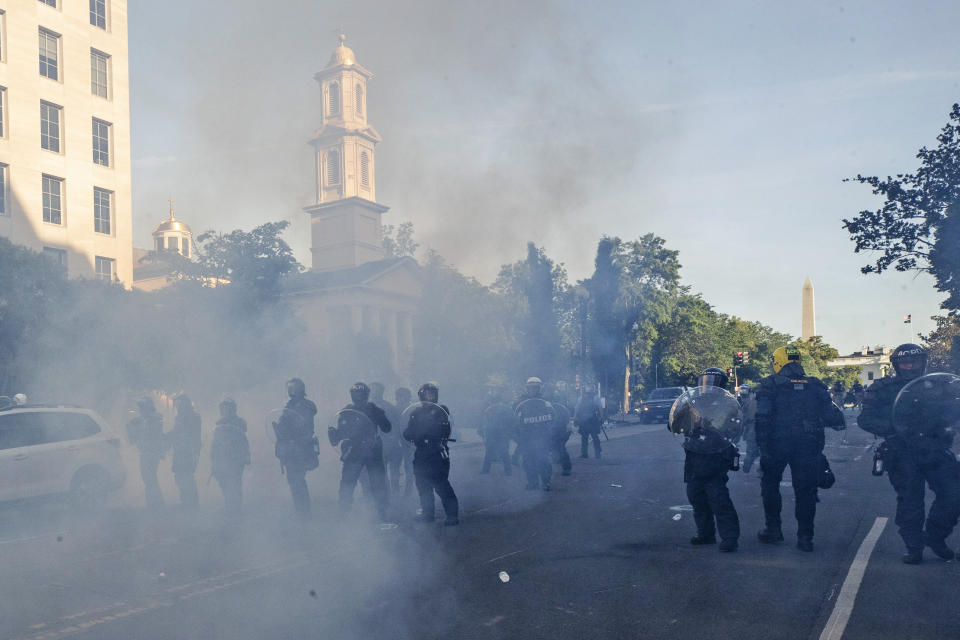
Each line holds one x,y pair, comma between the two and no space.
537,417
706,409
928,405
357,434
282,419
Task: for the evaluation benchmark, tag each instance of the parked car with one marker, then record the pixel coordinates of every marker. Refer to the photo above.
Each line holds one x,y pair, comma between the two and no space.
656,408
46,450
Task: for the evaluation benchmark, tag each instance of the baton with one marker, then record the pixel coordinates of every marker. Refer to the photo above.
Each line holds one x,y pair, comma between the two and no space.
602,428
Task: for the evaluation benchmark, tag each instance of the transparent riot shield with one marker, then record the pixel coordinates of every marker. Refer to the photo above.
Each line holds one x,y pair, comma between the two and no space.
356,434
280,419
928,405
706,409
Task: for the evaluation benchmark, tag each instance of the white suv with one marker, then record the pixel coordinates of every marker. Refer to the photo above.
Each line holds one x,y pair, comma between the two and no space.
47,450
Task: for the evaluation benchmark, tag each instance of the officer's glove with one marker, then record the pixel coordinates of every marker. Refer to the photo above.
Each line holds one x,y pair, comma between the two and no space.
334,436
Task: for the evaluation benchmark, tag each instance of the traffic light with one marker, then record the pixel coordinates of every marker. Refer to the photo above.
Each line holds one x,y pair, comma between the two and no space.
746,357
729,372
738,359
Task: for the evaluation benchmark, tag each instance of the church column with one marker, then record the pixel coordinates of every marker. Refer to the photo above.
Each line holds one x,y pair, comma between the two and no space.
390,333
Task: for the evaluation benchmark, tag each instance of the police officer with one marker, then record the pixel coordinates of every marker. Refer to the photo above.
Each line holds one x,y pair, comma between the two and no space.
428,428
588,417
499,426
708,457
184,439
229,454
537,420
913,461
559,435
402,398
748,401
296,446
792,410
145,432
393,442
358,427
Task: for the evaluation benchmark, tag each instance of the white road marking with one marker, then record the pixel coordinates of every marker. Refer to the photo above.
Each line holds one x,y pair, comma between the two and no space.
837,623
865,449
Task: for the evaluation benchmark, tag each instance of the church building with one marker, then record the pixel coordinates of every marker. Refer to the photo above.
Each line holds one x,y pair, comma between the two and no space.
352,287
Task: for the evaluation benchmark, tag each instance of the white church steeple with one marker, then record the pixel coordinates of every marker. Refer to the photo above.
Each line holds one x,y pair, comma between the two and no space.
345,220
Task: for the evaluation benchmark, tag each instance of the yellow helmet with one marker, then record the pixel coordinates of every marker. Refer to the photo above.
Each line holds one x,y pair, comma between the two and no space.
783,356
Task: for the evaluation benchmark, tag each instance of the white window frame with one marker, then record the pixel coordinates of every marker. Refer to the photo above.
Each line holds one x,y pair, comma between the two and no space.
3,36
4,129
59,52
93,138
60,136
62,196
55,5
106,16
100,191
98,262
4,190
96,54
61,255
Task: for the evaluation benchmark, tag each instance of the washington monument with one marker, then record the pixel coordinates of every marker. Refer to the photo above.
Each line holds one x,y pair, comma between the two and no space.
808,327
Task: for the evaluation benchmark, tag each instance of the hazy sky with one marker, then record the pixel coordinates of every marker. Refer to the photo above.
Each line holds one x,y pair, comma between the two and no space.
727,131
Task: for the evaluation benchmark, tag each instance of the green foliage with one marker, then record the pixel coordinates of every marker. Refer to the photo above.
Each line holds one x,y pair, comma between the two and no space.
398,242
943,345
918,225
814,356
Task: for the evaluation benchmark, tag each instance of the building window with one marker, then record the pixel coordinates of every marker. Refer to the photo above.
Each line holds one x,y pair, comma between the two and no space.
59,256
49,54
104,267
49,3
98,13
869,375
101,210
50,118
359,100
3,35
365,169
52,199
334,98
3,112
173,244
333,167
3,190
101,142
99,73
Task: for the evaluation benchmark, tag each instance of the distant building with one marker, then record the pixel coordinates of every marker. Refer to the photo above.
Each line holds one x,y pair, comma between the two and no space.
874,363
808,324
170,235
352,287
65,134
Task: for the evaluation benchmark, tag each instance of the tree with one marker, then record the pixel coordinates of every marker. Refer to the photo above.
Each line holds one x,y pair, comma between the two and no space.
918,225
814,356
398,241
943,345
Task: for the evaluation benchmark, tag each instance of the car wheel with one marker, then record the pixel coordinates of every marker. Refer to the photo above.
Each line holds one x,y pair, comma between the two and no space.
89,488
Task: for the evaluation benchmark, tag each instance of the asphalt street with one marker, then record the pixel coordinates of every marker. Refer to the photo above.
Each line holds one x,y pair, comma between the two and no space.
605,554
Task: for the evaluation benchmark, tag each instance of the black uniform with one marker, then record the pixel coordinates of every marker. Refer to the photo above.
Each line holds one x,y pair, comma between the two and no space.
792,410
362,449
229,454
559,436
394,449
913,462
588,416
428,428
537,420
296,449
184,439
145,432
708,458
499,427
750,431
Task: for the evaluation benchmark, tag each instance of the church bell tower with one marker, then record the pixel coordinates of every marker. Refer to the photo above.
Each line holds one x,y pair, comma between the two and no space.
345,220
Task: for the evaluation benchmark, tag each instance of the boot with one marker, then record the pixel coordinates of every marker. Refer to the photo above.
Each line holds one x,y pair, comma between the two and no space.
698,540
805,543
770,535
451,521
727,546
939,547
913,556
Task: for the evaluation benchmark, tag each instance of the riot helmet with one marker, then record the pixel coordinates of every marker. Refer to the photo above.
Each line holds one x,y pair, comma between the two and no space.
145,405
714,377
909,361
182,403
359,393
784,356
228,408
429,392
534,386
296,388
376,390
20,399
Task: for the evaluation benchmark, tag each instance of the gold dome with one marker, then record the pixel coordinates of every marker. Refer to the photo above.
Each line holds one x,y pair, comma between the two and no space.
172,224
342,55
